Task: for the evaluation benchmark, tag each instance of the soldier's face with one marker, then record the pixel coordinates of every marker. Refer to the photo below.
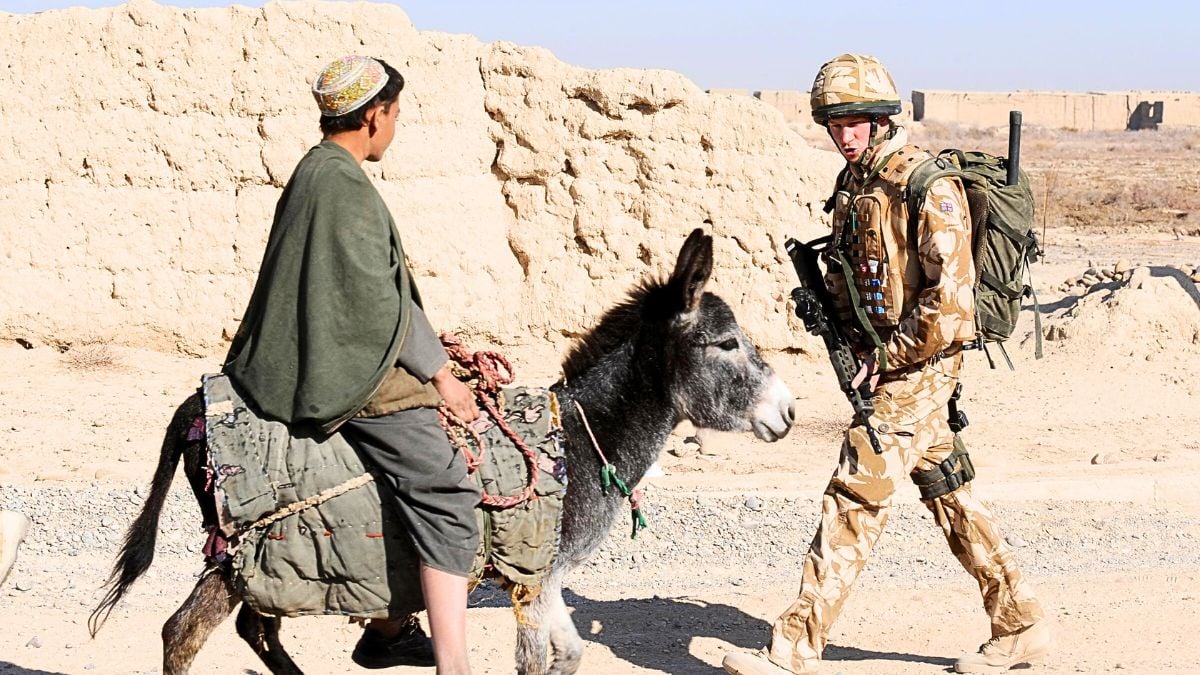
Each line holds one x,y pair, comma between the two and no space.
851,135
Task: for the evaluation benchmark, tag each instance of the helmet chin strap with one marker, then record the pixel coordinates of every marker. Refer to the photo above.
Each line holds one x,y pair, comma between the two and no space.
875,140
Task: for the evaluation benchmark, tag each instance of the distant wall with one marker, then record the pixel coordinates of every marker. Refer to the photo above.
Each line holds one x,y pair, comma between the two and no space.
1092,111
1089,111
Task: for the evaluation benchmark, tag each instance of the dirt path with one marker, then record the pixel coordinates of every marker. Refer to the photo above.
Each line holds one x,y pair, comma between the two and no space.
1094,469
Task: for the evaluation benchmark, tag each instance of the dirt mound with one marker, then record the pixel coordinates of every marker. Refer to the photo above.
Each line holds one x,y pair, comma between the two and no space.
1139,311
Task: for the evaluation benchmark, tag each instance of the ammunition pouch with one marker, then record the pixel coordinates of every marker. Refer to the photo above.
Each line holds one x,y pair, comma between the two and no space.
954,472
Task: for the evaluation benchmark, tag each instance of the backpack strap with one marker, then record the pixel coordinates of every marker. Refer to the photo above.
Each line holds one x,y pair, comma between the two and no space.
917,187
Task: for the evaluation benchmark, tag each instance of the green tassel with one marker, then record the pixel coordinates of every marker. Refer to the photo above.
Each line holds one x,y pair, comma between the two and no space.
609,477
639,523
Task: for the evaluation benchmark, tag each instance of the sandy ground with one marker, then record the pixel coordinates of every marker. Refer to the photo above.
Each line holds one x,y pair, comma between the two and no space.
1094,469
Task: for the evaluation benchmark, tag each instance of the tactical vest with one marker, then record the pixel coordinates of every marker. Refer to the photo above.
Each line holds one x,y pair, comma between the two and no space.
871,228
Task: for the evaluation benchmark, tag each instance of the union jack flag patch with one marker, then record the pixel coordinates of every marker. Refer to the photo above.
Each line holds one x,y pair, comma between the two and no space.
946,206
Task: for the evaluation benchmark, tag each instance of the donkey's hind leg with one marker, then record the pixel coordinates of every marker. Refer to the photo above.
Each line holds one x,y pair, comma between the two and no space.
211,601
549,622
262,632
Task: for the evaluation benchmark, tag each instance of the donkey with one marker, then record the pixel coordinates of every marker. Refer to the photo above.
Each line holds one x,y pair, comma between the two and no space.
670,352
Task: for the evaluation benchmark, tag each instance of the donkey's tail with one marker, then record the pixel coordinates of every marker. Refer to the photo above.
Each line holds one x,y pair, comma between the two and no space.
138,550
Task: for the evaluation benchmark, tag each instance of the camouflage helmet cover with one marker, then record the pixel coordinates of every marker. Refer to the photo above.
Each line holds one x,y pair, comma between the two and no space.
853,84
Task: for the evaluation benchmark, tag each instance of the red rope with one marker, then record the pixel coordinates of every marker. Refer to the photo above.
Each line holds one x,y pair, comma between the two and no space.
486,379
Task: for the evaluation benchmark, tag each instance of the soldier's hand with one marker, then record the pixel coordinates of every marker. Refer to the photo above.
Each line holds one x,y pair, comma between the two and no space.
458,396
869,372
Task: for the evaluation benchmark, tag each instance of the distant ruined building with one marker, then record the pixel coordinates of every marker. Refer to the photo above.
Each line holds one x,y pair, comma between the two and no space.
1089,111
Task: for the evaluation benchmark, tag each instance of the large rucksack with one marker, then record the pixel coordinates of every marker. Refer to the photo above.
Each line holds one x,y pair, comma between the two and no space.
1003,241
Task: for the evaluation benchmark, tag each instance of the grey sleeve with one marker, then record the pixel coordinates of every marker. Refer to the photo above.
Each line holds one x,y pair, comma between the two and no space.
422,353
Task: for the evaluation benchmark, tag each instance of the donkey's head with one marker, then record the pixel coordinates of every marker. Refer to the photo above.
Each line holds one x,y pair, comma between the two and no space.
684,347
718,379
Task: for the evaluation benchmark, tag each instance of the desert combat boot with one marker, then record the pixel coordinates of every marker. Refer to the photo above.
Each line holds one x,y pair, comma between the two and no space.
997,655
757,663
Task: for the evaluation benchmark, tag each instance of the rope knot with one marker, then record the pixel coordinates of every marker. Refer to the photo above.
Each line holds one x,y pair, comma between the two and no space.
483,374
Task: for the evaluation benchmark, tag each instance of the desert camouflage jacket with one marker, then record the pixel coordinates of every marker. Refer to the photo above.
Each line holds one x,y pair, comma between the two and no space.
915,288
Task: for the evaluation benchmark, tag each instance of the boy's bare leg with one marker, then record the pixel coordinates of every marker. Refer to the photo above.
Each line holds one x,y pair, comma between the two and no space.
446,602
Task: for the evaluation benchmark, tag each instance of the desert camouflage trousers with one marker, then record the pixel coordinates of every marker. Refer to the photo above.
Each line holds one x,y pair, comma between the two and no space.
911,422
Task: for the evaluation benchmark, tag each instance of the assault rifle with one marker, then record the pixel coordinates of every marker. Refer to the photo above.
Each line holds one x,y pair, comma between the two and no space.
815,307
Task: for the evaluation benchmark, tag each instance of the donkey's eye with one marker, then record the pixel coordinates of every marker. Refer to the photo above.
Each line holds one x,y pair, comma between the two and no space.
728,345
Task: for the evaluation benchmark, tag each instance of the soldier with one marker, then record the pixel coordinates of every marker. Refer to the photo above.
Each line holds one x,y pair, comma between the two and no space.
906,295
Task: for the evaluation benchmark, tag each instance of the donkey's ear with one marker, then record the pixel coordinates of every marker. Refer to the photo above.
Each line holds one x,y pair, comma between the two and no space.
693,268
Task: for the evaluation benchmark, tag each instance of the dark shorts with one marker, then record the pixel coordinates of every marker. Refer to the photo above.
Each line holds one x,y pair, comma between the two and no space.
434,495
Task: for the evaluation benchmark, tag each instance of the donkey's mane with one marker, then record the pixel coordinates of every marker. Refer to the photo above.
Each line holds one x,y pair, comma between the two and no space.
646,299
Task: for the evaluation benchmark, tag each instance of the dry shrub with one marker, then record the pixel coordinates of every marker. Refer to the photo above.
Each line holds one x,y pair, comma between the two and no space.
90,354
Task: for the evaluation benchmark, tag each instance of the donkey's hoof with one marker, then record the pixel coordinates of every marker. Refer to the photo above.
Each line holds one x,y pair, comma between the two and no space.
411,647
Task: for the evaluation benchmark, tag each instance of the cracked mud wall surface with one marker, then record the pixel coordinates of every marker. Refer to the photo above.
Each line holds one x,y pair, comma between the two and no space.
143,148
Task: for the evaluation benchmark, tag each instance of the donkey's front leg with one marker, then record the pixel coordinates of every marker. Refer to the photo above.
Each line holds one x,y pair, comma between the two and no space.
533,636
548,625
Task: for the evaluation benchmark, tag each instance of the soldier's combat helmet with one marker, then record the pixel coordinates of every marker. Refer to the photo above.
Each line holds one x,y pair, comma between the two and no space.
853,84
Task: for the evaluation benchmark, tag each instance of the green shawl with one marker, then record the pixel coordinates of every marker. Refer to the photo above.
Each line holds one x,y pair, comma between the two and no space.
331,305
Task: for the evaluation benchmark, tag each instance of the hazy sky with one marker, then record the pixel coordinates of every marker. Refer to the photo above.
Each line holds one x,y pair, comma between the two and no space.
764,44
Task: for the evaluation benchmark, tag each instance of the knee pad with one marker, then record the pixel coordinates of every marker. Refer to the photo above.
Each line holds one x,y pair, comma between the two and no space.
954,472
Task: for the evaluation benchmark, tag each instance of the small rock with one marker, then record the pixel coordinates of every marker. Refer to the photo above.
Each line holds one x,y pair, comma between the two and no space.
753,503
687,448
23,585
1015,541
34,642
1139,277
1122,267
1196,277
1161,457
1101,458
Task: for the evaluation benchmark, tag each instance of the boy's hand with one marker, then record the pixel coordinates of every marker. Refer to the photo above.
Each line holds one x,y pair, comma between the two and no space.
458,396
